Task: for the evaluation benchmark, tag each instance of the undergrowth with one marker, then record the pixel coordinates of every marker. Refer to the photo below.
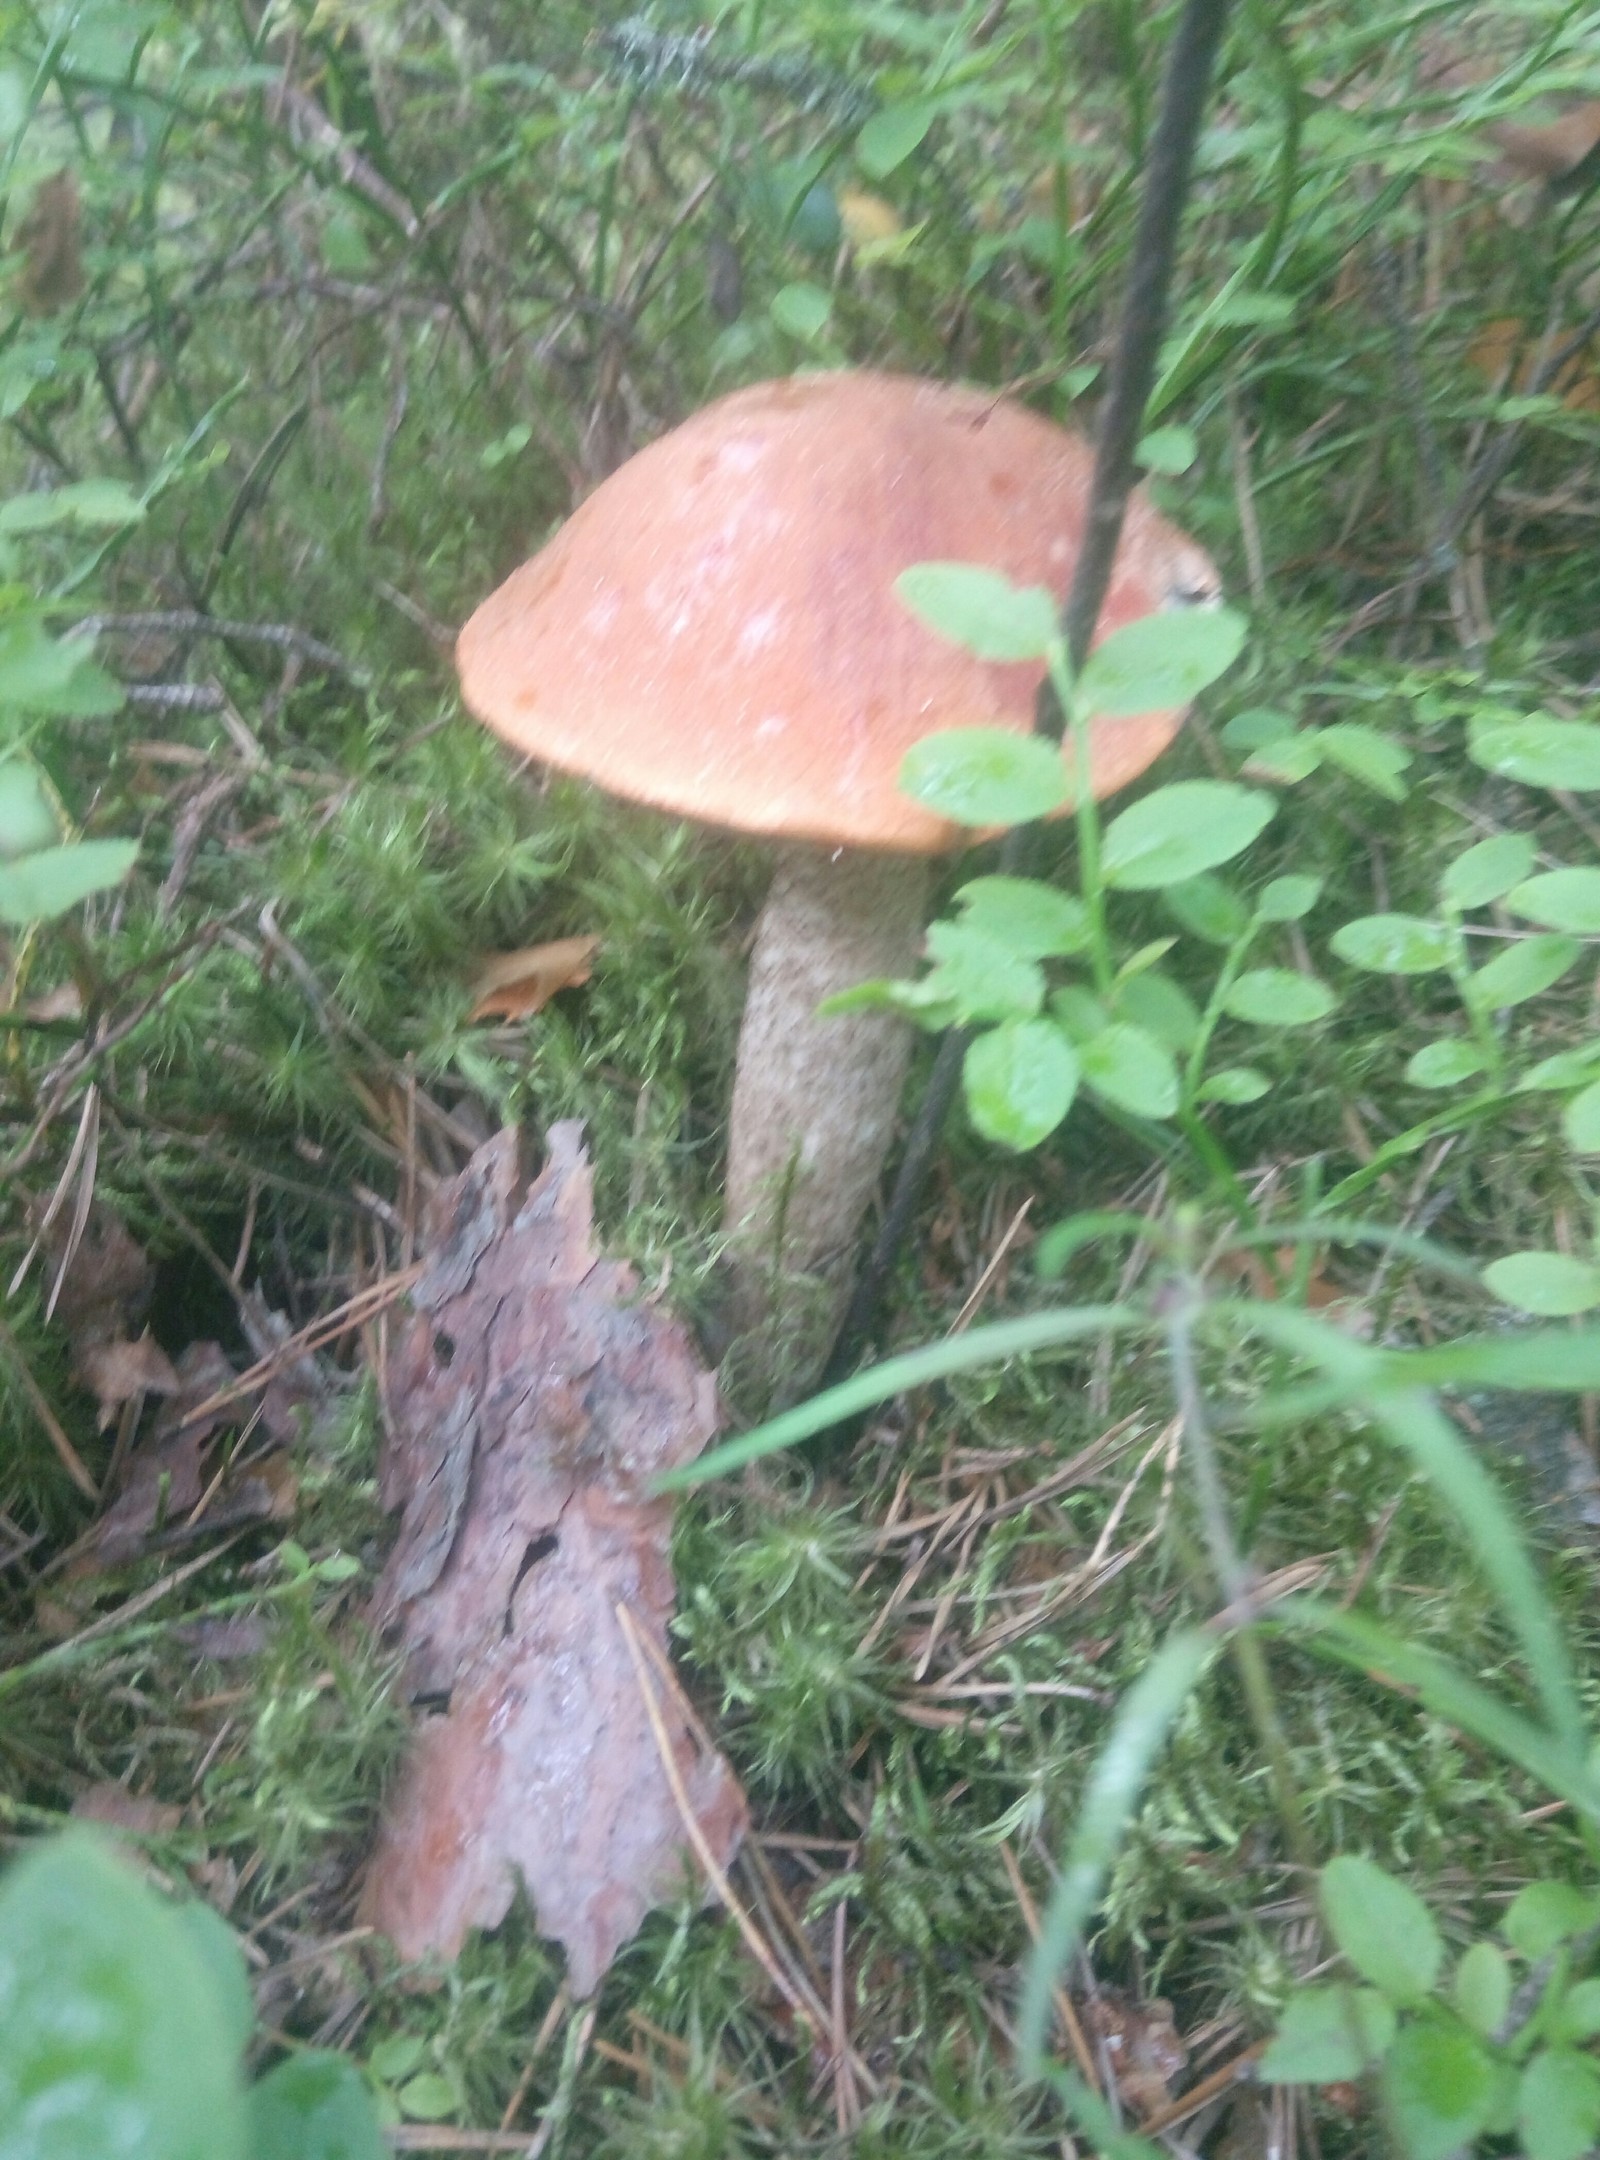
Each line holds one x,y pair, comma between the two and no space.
354,303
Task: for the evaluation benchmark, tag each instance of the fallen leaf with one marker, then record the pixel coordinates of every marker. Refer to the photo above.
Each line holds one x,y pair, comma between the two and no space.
118,1809
51,239
117,1371
528,1407
1505,353
511,985
1553,150
167,1471
1140,2043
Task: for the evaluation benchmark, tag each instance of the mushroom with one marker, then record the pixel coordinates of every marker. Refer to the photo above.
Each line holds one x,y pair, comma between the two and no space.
715,632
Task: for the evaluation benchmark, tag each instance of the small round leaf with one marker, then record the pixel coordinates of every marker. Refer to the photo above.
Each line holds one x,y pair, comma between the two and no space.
1286,899
980,609
1130,1068
1560,900
1235,1084
1394,944
1523,970
1445,1064
1540,752
1020,1080
1485,871
1279,997
1382,1926
985,776
1552,1284
1160,661
1180,830
315,2106
1580,1120
801,311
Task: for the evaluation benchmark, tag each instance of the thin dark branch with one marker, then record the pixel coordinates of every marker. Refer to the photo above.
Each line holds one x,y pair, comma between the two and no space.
1186,84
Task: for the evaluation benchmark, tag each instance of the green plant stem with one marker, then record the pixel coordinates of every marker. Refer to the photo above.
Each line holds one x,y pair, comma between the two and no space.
1234,1578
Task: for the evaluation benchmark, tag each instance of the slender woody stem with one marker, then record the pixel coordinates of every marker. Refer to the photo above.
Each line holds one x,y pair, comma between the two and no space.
1186,83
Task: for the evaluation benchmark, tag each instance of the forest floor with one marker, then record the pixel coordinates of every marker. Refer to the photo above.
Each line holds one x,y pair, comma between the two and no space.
319,320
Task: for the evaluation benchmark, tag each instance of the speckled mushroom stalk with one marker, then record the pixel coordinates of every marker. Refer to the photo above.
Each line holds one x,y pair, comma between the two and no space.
814,1096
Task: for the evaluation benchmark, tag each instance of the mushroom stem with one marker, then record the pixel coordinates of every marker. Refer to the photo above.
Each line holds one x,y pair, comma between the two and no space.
814,1098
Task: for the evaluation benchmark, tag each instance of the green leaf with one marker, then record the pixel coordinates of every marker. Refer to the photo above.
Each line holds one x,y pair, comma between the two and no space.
979,978
397,2056
1020,1080
1235,1084
1287,759
1485,871
1138,1732
1577,2015
891,135
1207,908
1394,944
43,885
1279,997
41,674
990,1345
1444,1064
1255,726
315,2106
801,311
1130,1068
1286,899
88,503
1540,753
981,610
1560,900
1160,661
1558,2105
28,820
1382,1926
1549,1283
1441,2085
1035,920
1179,830
1580,1121
1328,2034
1367,755
1568,1068
216,1947
1156,1003
1523,970
427,2097
1543,1915
1167,450
985,776
112,2040
1483,1988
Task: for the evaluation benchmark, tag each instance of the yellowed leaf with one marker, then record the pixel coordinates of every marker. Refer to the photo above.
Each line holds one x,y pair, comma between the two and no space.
866,217
511,985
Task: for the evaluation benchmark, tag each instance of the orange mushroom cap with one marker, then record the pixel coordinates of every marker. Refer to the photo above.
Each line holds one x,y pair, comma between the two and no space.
715,630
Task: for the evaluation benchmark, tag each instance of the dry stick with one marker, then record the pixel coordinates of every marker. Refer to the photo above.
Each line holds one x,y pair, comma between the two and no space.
1186,83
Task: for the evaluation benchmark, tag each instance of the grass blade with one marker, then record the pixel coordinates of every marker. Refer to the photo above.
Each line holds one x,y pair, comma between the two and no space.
1138,1732
915,1368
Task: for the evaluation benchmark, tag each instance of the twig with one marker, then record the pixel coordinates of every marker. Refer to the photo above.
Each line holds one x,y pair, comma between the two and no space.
71,1460
1058,1994
190,622
1185,85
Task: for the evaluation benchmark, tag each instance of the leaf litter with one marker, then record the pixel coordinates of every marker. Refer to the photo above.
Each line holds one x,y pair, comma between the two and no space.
528,1407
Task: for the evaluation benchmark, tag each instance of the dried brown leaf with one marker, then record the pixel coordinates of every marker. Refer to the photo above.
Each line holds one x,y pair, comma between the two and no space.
116,1371
511,985
119,1809
51,239
1140,2043
528,1407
